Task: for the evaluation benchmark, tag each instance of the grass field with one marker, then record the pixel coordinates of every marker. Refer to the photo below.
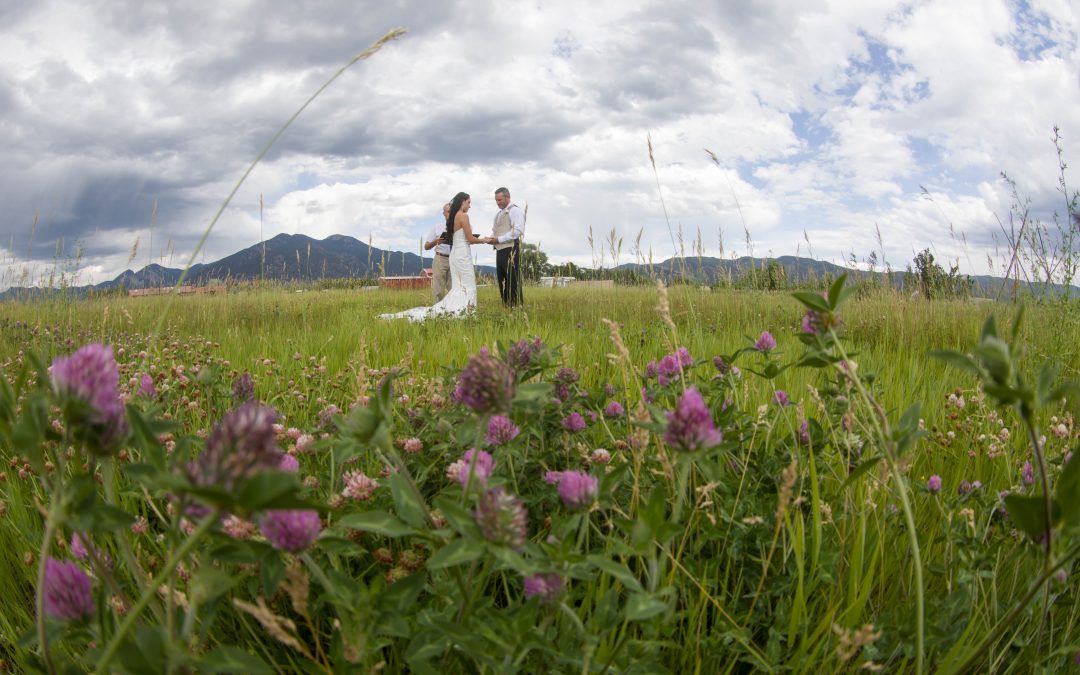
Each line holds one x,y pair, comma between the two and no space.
777,549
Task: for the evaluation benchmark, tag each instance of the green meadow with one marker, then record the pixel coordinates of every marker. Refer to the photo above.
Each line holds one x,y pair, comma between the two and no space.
785,547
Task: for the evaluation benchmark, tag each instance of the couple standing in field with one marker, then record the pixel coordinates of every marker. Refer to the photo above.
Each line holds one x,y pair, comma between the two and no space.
453,278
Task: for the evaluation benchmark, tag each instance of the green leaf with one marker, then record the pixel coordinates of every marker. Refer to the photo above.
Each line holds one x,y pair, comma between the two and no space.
512,560
455,553
1029,514
1016,324
616,570
209,583
378,522
989,328
838,292
106,518
362,423
533,392
406,501
1067,492
230,659
271,570
957,360
642,606
996,358
459,519
268,490
1044,390
861,469
812,301
400,596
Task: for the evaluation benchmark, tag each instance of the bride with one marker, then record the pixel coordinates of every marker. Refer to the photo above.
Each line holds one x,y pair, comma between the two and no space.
461,299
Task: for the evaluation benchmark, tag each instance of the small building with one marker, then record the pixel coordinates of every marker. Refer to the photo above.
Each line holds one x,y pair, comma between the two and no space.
405,283
212,289
553,282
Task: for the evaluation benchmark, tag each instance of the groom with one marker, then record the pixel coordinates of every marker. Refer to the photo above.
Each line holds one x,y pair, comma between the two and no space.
508,230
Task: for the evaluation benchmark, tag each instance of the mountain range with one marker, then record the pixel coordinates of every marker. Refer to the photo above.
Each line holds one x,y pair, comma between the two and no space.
297,258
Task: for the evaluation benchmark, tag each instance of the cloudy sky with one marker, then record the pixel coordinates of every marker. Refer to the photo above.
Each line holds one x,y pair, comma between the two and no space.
125,124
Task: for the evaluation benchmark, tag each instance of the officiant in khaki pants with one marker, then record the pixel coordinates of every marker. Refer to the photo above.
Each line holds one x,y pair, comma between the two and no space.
440,266
508,231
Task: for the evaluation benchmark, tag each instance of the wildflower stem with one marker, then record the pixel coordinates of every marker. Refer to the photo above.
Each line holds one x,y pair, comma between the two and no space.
998,631
167,571
1048,562
884,433
108,469
43,555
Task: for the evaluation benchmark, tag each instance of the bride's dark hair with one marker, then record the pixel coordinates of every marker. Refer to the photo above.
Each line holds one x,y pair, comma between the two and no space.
455,206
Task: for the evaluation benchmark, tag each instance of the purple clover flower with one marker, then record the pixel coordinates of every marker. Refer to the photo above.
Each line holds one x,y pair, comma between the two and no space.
477,462
573,422
91,376
577,489
683,355
690,425
78,547
67,591
669,366
545,587
614,409
522,353
722,366
243,388
289,463
1027,474
567,376
651,370
486,384
146,387
804,432
933,484
781,398
765,342
502,518
500,431
240,446
291,531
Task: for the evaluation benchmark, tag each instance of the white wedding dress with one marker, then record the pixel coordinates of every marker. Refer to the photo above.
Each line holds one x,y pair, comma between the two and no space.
461,299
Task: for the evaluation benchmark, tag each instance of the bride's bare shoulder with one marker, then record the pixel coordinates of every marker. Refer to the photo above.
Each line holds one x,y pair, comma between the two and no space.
461,220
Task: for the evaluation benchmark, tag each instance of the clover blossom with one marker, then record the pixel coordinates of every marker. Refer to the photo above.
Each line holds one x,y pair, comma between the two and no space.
486,384
573,423
502,518
291,530
765,342
1027,474
614,409
933,484
243,388
577,489
67,591
690,425
545,587
523,353
91,376
358,486
146,387
241,445
781,398
479,464
500,431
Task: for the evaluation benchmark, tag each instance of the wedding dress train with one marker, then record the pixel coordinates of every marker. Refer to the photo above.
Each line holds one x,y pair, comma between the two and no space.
461,299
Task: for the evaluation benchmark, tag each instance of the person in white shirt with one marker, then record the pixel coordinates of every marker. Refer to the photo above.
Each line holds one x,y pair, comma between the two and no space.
440,266
508,231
